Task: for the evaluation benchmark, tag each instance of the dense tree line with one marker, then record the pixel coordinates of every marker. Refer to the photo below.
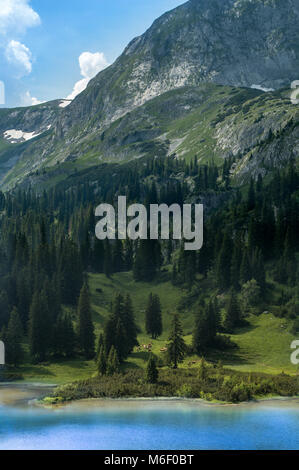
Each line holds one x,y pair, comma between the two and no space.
48,244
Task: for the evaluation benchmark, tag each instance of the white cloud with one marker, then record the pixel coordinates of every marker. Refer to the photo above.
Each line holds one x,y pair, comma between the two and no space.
90,65
28,100
16,16
78,88
20,56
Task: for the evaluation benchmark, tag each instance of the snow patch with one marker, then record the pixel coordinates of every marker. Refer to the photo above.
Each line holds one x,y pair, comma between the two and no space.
259,87
64,103
14,136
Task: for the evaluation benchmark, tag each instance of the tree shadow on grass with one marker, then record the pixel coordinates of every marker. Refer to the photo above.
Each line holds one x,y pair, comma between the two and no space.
36,370
245,329
142,356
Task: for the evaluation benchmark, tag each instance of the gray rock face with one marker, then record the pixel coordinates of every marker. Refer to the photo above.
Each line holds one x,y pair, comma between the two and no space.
228,42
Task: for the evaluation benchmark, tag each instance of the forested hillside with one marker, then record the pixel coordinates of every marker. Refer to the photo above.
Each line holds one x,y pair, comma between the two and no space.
53,269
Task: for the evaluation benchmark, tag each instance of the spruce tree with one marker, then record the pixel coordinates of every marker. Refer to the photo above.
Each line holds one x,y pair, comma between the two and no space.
200,340
113,362
245,270
85,325
4,309
100,344
130,324
233,313
152,372
101,362
153,317
39,327
147,260
64,339
223,267
13,340
176,348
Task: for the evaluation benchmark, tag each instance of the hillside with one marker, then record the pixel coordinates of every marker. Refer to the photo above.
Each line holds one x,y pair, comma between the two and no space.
211,122
122,113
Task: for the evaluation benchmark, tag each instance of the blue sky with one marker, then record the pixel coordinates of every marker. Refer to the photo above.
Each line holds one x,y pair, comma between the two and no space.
41,42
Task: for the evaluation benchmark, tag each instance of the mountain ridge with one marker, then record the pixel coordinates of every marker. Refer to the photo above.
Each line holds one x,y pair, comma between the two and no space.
229,43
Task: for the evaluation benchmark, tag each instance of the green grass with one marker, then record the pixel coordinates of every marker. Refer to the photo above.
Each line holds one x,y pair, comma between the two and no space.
57,372
263,346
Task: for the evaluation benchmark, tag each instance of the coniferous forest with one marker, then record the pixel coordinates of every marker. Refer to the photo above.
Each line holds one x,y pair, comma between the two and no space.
49,253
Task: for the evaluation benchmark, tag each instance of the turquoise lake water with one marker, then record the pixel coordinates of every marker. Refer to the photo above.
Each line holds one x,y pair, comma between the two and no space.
153,425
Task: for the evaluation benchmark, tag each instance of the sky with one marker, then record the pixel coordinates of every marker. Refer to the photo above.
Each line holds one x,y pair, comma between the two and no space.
50,49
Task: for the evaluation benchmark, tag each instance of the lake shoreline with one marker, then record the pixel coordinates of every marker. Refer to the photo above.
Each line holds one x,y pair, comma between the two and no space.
174,400
15,389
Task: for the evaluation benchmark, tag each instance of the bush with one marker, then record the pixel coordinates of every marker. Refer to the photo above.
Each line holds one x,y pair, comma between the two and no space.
185,391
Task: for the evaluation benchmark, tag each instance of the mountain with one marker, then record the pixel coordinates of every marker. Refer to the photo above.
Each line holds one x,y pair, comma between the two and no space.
184,86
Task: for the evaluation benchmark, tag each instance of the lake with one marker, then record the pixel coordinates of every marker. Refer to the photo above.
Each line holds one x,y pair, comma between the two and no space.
145,425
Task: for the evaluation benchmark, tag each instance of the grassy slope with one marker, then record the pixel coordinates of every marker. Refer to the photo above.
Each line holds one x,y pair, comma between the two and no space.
263,346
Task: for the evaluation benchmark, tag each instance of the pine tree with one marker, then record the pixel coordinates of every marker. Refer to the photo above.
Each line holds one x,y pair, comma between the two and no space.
39,327
13,340
100,344
4,309
64,338
153,317
101,362
233,313
235,267
85,327
203,370
113,362
174,274
121,342
245,270
223,268
152,372
130,324
200,340
147,260
176,346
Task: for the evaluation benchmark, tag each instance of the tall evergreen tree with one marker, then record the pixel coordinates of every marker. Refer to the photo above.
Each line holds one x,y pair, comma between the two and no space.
153,317
13,340
113,362
176,346
152,372
130,324
233,313
102,362
64,338
86,335
39,327
223,267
